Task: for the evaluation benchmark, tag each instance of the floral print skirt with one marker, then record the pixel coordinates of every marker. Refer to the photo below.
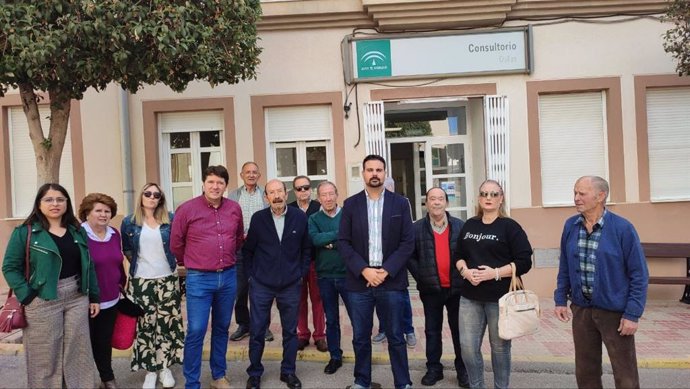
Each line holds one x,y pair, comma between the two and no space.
160,333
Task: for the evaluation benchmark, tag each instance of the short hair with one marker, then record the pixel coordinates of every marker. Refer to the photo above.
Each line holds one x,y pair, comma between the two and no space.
275,179
161,211
324,183
374,157
598,183
249,163
68,218
89,203
218,170
436,187
300,177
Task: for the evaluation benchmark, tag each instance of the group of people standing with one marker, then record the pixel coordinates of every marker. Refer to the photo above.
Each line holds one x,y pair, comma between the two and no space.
76,278
252,249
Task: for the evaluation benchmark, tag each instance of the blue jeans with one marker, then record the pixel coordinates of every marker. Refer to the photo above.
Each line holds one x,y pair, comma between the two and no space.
362,306
475,316
330,289
260,300
408,328
215,293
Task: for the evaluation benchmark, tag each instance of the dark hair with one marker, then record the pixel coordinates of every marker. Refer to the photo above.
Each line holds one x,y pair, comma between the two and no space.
300,177
218,170
37,216
89,203
435,187
374,157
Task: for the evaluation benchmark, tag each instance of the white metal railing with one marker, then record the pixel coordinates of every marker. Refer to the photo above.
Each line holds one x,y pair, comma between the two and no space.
496,115
374,129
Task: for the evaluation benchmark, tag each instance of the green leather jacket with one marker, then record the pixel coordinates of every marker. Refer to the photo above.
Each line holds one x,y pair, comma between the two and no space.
45,264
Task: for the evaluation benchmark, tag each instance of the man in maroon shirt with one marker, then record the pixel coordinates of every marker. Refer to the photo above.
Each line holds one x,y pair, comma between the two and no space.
206,234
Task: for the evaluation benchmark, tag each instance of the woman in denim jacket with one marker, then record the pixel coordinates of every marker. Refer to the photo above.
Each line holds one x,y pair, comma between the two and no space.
153,286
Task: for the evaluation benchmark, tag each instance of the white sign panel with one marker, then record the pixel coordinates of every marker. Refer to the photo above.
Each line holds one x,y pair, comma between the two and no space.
416,56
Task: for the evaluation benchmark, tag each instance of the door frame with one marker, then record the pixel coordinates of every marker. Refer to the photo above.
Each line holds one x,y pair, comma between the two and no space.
429,141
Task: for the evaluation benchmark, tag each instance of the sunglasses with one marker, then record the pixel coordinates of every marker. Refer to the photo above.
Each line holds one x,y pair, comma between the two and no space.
156,195
489,194
303,188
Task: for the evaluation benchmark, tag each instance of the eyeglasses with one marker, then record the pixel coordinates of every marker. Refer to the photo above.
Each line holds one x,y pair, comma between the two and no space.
155,195
303,188
51,200
489,194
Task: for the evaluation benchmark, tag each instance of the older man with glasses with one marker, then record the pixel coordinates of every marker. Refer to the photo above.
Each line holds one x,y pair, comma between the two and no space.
310,289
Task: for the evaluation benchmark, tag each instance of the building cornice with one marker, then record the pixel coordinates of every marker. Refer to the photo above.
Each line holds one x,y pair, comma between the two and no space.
406,15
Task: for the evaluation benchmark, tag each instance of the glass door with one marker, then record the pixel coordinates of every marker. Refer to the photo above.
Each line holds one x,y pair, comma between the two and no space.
420,163
449,164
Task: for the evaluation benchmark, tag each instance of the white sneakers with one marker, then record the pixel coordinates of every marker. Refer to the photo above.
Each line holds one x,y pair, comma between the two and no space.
166,378
150,381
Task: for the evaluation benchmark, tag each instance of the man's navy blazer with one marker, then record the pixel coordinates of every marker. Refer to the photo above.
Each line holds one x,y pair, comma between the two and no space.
272,262
397,237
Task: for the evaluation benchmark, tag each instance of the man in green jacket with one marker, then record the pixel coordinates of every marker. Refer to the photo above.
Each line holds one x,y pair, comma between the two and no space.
330,269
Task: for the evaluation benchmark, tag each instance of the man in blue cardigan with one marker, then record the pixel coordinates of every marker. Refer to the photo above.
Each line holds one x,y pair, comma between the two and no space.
276,256
376,240
603,271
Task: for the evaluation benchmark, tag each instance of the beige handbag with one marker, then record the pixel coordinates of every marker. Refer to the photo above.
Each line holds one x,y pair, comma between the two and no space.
518,311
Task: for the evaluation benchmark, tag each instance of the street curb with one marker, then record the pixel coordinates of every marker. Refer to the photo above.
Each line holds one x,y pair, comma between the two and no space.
521,363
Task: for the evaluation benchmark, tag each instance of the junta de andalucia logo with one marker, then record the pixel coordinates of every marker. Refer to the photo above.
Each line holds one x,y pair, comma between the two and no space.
374,58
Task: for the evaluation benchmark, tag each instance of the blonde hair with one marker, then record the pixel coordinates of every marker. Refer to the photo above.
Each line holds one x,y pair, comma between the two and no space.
160,213
501,209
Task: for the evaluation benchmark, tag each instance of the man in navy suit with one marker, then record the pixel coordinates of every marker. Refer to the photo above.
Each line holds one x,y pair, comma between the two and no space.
276,255
376,240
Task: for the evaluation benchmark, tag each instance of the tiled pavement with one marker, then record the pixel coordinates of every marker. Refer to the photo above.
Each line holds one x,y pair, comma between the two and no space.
663,339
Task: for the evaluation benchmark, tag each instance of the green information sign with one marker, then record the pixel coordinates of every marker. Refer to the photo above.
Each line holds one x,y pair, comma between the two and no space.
374,58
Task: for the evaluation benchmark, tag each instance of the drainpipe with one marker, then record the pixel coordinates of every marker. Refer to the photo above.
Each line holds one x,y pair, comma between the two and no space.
125,141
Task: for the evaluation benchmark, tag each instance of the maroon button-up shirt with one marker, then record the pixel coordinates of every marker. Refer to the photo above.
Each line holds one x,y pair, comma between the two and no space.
204,237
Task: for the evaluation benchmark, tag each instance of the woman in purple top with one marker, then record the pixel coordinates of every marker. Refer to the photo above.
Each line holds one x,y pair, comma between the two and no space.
96,211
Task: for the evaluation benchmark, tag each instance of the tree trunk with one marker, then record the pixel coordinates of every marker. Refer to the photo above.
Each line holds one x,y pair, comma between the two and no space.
48,150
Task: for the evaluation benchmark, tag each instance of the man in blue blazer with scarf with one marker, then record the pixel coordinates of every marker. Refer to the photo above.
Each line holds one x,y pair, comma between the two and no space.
276,255
376,239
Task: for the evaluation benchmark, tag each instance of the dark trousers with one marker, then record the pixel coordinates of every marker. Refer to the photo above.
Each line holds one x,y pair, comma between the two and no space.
591,327
362,305
434,302
408,328
101,331
330,289
261,299
242,299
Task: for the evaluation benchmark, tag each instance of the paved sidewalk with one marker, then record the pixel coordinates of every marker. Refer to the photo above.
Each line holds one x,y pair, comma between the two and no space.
663,339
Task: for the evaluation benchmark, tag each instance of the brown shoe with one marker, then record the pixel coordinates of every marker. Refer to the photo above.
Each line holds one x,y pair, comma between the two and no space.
220,383
302,343
321,345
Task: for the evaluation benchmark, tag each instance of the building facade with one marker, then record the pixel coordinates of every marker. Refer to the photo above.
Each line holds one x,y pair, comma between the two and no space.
533,93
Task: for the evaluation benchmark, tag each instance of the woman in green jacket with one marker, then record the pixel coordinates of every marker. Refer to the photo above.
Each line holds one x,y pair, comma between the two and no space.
60,294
